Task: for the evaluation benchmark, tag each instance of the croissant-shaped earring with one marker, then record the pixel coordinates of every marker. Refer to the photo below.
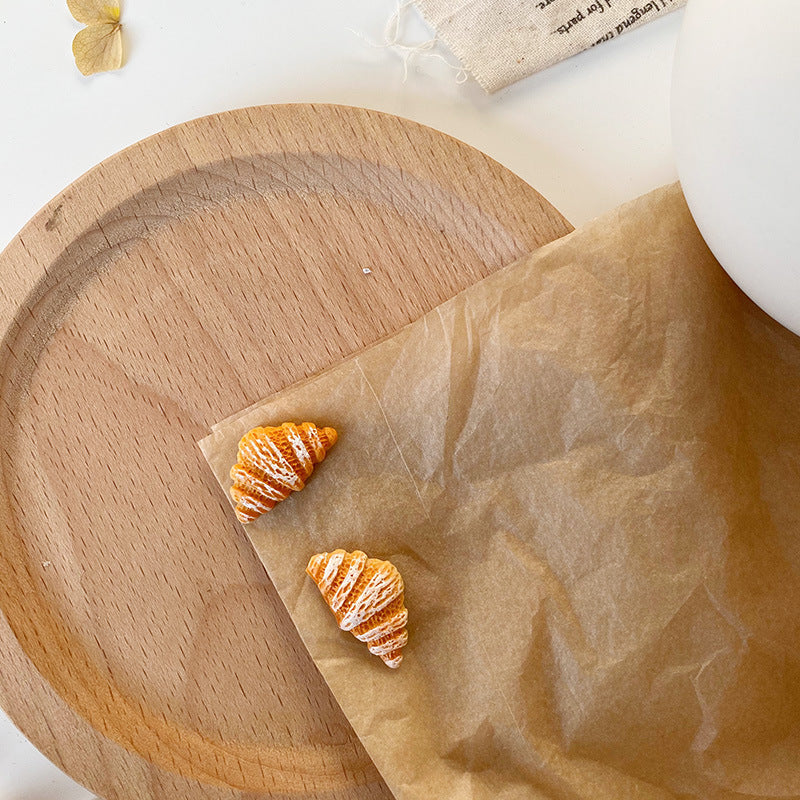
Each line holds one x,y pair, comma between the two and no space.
273,462
366,597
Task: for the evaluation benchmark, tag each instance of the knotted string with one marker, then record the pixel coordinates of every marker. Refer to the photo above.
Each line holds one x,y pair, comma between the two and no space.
392,33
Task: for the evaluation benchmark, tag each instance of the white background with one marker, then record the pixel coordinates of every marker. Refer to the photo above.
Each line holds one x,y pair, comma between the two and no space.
589,133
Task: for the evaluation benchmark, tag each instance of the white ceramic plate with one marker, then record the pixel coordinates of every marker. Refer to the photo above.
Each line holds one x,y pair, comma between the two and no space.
736,134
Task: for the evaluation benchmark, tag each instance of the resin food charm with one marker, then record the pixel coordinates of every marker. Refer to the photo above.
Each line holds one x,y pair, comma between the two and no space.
273,463
366,597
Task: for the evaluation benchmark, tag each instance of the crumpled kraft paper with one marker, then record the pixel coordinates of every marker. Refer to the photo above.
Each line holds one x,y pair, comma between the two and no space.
587,469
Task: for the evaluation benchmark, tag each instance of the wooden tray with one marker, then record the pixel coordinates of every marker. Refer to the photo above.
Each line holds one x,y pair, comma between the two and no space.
142,647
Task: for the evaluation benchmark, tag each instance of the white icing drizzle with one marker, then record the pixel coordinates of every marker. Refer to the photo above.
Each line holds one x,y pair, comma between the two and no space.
243,478
331,570
247,511
391,644
312,432
390,624
300,450
267,458
264,475
383,587
249,501
360,608
354,570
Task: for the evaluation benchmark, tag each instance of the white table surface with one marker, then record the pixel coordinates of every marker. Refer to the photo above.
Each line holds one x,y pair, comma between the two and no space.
589,133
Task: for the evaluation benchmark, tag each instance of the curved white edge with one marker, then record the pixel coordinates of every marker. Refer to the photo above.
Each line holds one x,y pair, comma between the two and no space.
735,119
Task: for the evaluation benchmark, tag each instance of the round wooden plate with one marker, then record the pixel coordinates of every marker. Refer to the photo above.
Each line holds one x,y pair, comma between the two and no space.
142,647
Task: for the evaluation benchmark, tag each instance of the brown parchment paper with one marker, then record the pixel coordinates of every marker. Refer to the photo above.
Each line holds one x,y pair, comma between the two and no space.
586,468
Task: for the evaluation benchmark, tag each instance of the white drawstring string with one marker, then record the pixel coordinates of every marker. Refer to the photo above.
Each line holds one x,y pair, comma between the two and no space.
407,52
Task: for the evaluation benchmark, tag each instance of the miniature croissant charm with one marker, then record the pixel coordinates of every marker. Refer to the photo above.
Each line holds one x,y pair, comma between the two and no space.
366,597
273,462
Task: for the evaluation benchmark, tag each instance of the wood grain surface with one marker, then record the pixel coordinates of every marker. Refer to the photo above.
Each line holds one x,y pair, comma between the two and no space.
142,647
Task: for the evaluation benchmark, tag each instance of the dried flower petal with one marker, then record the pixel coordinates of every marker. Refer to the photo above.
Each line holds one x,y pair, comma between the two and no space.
98,47
90,12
